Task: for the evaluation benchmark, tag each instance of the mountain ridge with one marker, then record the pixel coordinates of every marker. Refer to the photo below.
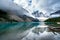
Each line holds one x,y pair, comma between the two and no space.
54,19
10,17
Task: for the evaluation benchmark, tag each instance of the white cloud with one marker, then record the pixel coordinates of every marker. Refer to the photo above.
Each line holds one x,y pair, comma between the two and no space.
8,5
46,6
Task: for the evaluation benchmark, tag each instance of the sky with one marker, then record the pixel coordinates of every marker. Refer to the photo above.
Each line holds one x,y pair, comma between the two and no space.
12,8
45,6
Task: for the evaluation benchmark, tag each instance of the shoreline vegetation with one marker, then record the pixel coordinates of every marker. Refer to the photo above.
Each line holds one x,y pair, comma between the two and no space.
56,19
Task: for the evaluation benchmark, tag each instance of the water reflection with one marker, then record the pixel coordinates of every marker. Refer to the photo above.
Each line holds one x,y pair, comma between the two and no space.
28,31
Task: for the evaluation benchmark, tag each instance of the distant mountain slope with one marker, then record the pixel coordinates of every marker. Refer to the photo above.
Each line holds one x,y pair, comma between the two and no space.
54,19
57,12
10,17
57,19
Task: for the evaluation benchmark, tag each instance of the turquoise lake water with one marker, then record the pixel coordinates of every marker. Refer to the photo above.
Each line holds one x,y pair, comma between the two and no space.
28,31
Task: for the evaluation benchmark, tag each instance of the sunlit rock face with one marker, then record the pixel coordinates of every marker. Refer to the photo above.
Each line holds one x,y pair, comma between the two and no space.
38,14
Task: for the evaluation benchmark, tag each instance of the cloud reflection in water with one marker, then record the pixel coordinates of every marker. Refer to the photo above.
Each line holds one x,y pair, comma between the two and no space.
27,31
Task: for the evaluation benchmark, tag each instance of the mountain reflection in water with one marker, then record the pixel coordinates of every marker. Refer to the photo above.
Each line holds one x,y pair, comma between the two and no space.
28,31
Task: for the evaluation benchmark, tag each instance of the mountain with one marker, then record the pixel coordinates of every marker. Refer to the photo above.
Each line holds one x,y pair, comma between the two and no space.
55,18
9,11
10,17
57,12
38,14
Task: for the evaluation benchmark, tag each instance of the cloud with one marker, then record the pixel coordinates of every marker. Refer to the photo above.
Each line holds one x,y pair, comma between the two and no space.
49,5
46,6
56,6
10,6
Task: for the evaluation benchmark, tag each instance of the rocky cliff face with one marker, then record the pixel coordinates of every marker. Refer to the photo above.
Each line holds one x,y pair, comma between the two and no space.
10,17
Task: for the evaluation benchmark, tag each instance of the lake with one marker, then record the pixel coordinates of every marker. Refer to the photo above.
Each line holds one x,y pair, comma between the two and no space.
29,31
